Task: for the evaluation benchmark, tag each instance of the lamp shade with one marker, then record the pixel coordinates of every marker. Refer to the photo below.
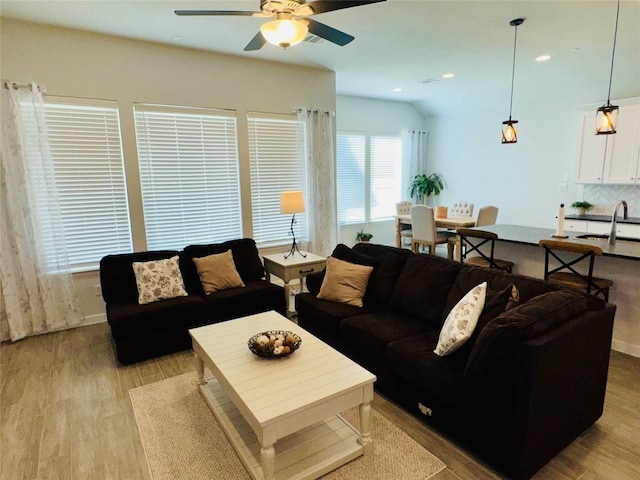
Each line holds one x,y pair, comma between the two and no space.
284,33
291,202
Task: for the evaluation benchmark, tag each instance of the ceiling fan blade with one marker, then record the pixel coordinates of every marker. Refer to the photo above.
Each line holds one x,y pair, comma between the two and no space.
328,33
322,6
256,43
191,13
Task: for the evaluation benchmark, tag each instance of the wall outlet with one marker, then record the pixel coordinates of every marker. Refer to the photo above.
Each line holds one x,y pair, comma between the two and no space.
97,290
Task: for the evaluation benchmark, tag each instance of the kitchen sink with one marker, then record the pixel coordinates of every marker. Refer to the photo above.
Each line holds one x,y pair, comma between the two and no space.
605,238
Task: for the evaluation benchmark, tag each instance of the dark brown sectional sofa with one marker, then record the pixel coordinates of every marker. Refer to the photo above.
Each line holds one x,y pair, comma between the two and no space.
146,331
529,381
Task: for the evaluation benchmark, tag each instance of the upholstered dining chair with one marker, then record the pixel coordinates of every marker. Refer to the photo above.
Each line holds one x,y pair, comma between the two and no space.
423,225
461,209
568,273
404,208
486,216
471,240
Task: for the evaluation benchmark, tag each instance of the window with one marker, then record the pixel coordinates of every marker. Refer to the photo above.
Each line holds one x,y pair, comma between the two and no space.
386,176
369,171
350,175
189,176
88,171
276,153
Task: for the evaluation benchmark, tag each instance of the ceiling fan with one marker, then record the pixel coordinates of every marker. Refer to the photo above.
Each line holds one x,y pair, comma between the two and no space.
290,24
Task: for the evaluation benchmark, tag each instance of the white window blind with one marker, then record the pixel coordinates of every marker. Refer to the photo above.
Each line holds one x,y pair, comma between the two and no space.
189,176
88,170
386,176
350,159
276,152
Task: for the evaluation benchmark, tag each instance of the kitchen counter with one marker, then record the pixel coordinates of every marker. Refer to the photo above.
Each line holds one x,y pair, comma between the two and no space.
604,218
627,249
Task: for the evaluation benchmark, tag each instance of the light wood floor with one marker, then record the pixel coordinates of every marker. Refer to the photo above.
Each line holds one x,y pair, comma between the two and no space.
66,414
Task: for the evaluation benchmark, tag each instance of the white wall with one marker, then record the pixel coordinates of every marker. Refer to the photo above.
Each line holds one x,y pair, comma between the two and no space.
371,116
82,64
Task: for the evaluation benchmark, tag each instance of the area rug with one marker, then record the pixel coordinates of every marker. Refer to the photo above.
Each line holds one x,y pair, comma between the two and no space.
182,440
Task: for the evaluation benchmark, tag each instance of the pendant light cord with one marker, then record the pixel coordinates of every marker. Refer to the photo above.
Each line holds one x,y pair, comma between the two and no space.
613,53
513,70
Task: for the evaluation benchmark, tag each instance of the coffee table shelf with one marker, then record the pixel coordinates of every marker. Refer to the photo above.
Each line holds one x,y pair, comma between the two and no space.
306,454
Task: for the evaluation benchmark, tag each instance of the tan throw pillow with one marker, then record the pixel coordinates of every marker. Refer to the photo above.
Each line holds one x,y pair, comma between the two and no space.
461,321
158,280
218,272
344,282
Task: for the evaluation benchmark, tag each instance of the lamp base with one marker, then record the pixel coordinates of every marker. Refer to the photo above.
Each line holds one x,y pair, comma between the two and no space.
294,249
294,244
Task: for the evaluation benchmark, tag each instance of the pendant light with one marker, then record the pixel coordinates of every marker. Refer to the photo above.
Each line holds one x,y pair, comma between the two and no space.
607,115
509,134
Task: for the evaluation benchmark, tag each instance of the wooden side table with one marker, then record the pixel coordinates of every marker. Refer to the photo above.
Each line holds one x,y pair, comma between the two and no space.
295,266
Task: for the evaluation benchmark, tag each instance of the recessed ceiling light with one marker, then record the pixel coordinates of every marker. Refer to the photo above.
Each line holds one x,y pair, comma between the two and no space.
543,58
177,38
448,75
397,89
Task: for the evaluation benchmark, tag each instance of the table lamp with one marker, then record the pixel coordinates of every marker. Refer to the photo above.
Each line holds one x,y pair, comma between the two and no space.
292,202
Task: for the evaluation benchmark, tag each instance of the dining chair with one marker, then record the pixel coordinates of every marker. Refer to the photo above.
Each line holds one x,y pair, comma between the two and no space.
568,272
461,209
486,216
471,240
423,223
404,208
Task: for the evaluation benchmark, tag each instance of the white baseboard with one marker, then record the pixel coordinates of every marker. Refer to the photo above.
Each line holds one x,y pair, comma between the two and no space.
628,348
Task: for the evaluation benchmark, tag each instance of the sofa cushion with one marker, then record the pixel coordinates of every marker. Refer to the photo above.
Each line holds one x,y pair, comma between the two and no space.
345,282
256,296
413,360
461,321
245,257
158,280
372,332
217,272
524,322
322,316
421,291
117,280
391,261
134,320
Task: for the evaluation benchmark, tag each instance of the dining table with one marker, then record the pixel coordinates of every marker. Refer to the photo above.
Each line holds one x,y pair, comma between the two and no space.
450,223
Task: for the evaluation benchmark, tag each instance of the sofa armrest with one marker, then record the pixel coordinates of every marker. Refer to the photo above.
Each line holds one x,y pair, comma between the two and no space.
543,394
314,281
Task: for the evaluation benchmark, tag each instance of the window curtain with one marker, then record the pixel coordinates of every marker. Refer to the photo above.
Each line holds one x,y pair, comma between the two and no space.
36,289
414,157
322,216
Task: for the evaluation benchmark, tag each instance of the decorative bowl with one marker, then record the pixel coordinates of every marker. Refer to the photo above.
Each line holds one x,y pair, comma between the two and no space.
274,343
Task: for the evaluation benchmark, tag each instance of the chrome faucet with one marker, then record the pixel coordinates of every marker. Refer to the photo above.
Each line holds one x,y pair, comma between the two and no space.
614,220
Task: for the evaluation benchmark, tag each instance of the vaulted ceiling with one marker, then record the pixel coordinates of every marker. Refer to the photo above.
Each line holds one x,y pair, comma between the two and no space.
406,44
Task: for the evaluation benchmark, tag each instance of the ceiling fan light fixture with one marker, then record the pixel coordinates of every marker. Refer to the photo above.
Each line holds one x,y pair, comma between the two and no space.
607,115
284,32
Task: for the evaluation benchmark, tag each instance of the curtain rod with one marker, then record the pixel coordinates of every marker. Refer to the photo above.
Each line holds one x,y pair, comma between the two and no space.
15,86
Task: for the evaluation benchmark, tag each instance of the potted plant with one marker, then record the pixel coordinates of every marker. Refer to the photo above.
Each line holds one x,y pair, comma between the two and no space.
362,236
582,207
424,185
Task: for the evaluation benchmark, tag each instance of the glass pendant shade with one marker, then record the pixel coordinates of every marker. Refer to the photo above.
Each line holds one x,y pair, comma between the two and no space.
509,133
606,119
284,33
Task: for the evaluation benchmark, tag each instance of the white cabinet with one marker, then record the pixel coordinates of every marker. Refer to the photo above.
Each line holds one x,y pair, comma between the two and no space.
599,228
610,159
575,225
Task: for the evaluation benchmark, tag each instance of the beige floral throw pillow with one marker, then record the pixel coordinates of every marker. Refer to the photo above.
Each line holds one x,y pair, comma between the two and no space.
158,280
461,321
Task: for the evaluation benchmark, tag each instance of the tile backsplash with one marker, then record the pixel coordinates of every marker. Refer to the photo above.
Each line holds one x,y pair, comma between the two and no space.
604,197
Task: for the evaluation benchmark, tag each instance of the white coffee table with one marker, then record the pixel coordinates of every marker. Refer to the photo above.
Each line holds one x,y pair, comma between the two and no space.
281,414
